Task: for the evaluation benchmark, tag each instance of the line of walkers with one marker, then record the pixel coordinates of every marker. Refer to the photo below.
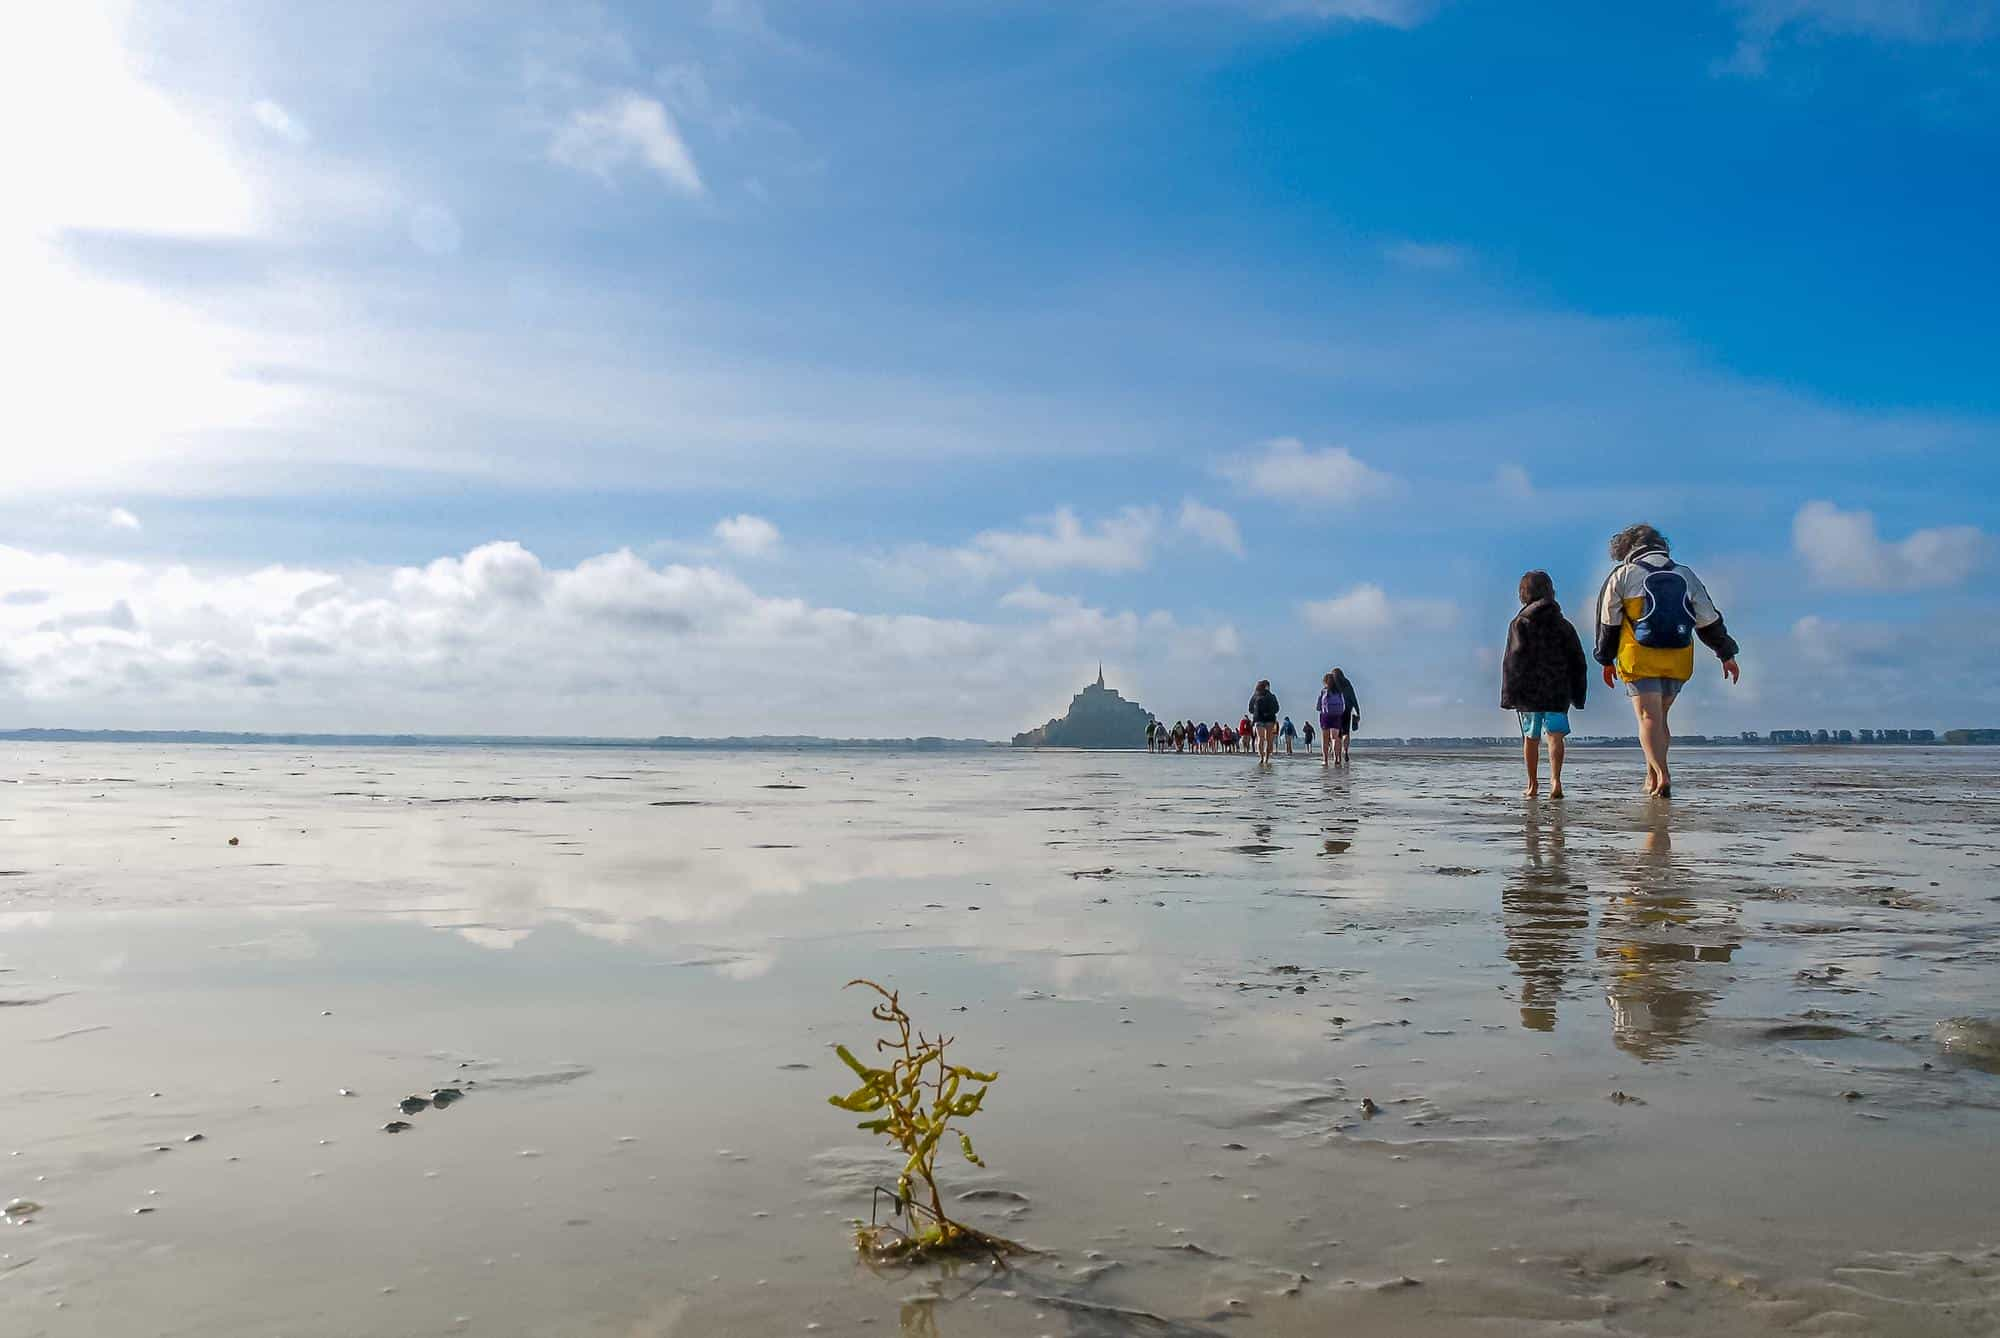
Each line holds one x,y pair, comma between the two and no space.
1264,724
1650,610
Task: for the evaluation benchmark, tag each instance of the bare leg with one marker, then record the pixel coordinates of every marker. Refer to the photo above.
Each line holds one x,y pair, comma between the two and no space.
1326,748
1651,708
1555,766
1531,757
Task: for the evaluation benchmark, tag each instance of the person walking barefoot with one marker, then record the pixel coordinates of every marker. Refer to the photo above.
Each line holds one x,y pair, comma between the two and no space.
1648,615
1346,724
1332,709
1543,675
1263,714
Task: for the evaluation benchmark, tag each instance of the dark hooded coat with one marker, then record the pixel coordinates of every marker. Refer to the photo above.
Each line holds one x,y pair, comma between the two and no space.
1544,668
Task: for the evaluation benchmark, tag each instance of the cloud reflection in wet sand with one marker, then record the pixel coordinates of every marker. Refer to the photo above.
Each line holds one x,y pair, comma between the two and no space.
1191,972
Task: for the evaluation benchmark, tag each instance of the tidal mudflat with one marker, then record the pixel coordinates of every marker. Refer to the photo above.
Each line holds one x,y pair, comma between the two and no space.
1388,1051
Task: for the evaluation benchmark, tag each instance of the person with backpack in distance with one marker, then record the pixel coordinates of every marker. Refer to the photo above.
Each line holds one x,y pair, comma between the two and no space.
1648,614
1263,713
1288,731
1542,676
1339,715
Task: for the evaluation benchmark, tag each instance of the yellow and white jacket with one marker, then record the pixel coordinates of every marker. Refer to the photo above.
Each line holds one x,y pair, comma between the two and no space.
1623,601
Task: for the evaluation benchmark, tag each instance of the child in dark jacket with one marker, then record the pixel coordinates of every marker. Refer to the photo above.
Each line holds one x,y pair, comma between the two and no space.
1542,677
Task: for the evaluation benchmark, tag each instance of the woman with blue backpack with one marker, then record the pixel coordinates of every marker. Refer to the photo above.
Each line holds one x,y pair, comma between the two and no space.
1648,616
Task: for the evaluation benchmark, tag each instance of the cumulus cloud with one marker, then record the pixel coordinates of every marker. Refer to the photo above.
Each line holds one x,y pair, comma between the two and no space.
627,129
1059,541
494,639
1843,645
1123,542
1369,610
1842,548
1211,525
1513,483
748,536
279,122
1033,599
1286,469
112,518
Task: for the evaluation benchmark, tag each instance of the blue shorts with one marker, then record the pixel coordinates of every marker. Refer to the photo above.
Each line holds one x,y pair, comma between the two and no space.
1666,688
1534,724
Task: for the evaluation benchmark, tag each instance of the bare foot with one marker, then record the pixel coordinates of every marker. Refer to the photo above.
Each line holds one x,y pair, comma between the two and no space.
1530,792
1556,793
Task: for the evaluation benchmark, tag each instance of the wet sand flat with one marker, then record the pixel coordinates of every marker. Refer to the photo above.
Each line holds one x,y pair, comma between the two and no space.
1628,1069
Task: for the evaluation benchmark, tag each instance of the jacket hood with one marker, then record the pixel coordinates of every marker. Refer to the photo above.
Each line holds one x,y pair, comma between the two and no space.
1539,609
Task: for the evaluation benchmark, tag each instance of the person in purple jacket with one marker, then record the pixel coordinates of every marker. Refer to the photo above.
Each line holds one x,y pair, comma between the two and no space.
1339,713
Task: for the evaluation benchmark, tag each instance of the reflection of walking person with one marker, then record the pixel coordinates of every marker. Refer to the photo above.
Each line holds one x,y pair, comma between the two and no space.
1649,613
1542,676
1546,921
1661,948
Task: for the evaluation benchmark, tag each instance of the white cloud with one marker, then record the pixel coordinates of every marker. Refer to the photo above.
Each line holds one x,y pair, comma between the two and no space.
1033,599
1831,644
1513,483
102,150
1368,610
495,640
1214,527
1842,548
1287,470
628,128
279,122
107,150
1765,24
113,518
748,536
1433,256
1390,13
1060,541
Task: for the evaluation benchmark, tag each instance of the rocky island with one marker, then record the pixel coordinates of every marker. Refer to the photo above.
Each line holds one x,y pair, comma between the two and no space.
1097,718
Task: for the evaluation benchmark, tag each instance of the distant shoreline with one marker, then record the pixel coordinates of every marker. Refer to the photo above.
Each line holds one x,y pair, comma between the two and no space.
816,743
665,742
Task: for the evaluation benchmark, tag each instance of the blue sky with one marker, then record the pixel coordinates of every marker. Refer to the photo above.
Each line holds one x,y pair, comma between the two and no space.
876,367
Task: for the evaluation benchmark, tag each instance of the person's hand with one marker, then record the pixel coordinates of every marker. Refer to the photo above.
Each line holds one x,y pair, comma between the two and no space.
1610,677
1730,671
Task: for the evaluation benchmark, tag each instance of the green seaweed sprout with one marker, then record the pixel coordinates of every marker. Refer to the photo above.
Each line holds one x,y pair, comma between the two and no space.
913,1103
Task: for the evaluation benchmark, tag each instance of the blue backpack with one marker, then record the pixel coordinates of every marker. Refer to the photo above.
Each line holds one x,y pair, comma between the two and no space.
1667,620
